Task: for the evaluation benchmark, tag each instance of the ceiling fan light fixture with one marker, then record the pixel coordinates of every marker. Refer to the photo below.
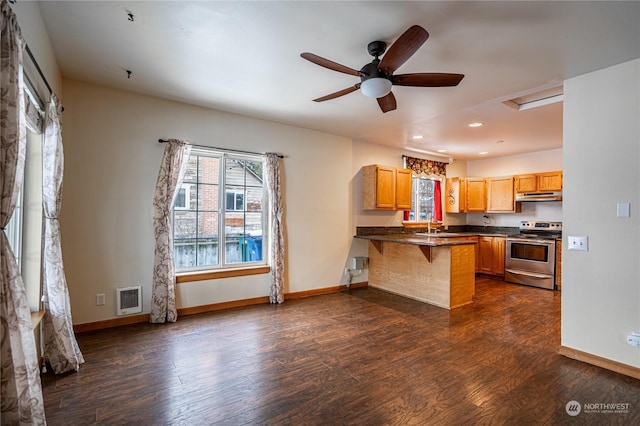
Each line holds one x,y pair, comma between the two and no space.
376,87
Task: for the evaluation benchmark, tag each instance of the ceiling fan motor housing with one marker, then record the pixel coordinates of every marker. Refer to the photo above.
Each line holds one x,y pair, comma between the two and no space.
376,48
371,71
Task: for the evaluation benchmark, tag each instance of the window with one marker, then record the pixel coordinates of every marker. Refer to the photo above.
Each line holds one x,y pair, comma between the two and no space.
14,230
425,200
183,199
209,234
235,201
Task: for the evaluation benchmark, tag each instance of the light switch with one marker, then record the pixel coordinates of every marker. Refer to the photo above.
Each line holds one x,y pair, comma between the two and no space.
622,209
580,243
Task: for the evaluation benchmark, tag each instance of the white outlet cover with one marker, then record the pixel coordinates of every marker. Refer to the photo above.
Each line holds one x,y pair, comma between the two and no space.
578,243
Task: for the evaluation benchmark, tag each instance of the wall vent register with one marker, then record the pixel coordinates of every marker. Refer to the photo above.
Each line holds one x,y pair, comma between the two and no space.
129,300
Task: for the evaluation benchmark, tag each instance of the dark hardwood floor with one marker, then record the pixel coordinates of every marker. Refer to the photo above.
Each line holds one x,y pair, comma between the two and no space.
361,357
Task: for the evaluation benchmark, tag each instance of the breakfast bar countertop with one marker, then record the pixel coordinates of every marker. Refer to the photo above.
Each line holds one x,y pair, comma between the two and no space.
415,239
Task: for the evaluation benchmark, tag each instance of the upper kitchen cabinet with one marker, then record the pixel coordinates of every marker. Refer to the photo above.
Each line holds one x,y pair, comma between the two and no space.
476,195
385,188
404,184
456,189
466,195
551,181
500,195
539,182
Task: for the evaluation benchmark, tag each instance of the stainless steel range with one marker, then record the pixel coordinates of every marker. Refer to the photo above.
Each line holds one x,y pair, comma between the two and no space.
530,256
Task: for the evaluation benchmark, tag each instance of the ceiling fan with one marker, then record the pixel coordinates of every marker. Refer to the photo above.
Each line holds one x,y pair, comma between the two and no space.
376,78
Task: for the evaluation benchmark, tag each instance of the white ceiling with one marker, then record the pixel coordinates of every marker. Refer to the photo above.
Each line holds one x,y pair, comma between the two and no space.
244,57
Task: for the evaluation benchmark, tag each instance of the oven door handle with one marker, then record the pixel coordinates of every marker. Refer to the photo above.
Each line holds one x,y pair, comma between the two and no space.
525,240
528,274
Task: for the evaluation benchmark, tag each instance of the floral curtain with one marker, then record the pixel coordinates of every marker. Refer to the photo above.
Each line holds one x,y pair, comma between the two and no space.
426,167
172,169
276,293
60,345
20,389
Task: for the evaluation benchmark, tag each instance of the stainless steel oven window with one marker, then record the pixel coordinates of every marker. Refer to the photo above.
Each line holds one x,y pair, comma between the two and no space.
529,251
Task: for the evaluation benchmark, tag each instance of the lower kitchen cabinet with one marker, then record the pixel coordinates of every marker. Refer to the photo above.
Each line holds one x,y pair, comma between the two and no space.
497,255
558,264
491,255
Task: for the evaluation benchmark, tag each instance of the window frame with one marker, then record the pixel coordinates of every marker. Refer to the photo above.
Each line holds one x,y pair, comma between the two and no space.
223,268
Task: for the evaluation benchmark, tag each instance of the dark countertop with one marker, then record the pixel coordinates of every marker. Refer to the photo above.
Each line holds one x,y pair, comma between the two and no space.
420,240
453,231
446,234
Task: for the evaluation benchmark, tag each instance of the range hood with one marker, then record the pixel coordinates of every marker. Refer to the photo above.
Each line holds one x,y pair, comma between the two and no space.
539,196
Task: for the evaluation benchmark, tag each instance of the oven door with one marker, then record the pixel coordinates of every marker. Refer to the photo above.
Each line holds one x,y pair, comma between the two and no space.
537,256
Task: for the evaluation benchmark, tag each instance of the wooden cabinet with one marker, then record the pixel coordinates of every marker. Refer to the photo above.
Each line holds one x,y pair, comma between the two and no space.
539,182
558,264
526,183
500,195
404,189
465,195
496,194
476,195
491,255
497,255
484,247
386,188
456,200
551,181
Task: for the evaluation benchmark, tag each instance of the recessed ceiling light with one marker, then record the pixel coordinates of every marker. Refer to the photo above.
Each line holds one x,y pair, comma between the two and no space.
476,124
416,137
442,150
483,153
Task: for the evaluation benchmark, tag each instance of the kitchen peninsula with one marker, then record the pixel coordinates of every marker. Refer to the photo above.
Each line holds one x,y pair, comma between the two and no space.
438,271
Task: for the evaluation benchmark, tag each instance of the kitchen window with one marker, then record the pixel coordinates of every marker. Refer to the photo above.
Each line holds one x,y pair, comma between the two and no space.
219,218
426,201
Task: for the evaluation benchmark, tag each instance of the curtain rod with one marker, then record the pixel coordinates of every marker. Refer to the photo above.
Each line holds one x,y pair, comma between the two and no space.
44,79
224,149
38,68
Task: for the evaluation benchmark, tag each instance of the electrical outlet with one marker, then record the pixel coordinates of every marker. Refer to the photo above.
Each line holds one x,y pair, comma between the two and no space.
100,299
634,339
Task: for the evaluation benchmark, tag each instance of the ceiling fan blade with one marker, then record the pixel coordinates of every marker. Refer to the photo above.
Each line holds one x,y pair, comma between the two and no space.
403,48
329,64
338,93
430,79
387,103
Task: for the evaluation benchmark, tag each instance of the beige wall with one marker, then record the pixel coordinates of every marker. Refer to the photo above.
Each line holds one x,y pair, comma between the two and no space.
601,287
112,160
35,34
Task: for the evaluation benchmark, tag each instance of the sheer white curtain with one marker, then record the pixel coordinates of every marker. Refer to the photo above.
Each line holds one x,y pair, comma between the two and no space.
60,345
20,391
172,169
276,292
